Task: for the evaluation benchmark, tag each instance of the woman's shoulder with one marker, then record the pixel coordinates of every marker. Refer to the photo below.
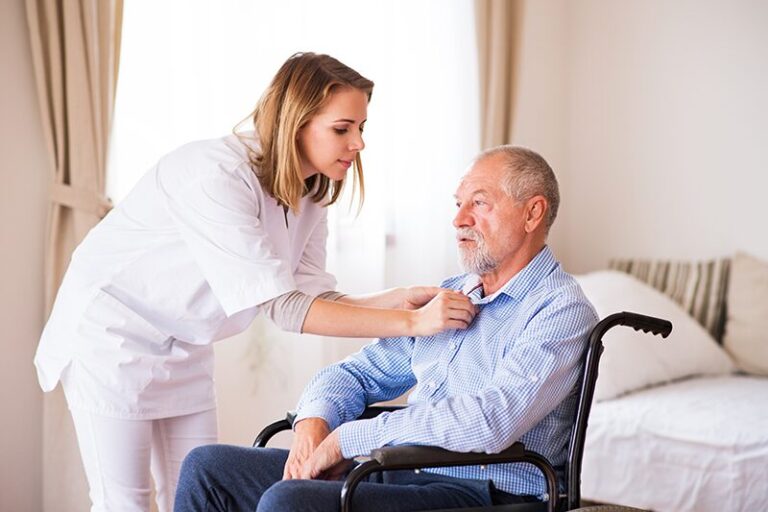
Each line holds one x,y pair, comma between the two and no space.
220,158
228,154
244,143
232,148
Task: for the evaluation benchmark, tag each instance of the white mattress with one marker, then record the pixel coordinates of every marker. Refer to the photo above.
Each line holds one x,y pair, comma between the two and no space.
700,444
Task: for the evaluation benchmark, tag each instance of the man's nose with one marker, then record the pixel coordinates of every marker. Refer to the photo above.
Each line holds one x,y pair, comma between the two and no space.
462,218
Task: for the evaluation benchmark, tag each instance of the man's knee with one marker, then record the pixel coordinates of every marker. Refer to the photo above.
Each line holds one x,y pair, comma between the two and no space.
193,491
292,495
280,496
200,459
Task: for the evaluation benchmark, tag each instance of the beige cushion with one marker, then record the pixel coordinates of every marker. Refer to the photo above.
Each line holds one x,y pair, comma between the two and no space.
746,328
634,360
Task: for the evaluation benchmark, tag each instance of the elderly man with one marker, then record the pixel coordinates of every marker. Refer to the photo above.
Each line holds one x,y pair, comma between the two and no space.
512,375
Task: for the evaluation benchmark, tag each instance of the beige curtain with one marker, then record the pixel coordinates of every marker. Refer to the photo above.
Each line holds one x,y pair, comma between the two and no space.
75,50
498,36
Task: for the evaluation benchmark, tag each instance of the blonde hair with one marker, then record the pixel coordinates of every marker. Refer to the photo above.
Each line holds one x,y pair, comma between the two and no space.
299,90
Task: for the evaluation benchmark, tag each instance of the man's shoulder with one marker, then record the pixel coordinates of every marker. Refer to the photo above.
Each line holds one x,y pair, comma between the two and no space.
561,282
560,289
454,282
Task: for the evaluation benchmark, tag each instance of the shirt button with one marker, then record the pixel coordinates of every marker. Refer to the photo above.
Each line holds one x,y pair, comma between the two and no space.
431,384
534,378
452,345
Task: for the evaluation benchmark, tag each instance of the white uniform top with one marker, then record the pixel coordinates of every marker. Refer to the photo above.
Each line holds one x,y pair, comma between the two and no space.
183,261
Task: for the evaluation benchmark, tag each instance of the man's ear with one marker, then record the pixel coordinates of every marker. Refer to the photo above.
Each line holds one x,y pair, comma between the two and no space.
536,209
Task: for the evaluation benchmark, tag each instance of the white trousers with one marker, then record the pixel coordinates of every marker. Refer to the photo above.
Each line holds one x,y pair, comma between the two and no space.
119,455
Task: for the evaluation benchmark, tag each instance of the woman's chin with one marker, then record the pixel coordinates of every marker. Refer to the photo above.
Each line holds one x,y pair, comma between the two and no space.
334,175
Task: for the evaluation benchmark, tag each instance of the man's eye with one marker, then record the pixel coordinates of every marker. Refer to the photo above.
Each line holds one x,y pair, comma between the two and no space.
478,202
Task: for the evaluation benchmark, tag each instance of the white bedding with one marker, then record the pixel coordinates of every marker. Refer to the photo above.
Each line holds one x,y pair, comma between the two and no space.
696,445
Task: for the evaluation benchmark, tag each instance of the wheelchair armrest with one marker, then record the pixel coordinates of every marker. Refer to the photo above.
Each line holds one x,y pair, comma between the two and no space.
415,457
374,410
263,437
270,430
392,458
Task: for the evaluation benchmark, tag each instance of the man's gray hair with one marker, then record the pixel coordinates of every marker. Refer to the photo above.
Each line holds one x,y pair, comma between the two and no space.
528,175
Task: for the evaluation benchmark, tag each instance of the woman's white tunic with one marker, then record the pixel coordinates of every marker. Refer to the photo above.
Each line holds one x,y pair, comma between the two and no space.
183,261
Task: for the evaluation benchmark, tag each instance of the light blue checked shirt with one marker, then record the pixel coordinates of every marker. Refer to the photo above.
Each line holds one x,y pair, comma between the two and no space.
511,376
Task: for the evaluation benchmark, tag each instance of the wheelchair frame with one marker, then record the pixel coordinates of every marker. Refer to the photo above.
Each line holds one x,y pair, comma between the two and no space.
417,457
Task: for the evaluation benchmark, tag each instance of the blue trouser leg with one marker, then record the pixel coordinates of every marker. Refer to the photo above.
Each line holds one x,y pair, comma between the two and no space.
230,478
395,492
227,478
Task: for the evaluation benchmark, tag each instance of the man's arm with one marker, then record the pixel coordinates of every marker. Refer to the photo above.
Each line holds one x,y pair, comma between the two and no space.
340,392
530,382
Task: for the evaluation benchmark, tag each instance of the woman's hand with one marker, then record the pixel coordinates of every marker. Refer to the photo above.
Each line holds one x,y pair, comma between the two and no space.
417,296
447,310
308,435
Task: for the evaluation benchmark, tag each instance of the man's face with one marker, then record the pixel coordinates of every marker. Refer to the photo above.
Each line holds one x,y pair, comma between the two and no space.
490,225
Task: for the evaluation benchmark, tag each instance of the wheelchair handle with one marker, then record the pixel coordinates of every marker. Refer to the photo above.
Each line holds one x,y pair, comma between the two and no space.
638,322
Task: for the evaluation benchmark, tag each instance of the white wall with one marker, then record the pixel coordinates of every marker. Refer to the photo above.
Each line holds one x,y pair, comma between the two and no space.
540,90
663,140
22,222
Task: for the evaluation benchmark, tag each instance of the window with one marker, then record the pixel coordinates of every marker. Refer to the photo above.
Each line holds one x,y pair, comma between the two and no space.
193,69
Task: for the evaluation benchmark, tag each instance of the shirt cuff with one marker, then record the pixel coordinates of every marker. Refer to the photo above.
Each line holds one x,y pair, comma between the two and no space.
358,438
319,409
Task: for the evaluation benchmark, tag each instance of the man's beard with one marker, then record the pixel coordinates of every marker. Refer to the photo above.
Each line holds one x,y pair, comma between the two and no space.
478,260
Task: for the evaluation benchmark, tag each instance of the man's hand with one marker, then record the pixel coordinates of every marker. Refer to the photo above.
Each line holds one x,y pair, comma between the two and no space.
327,462
308,434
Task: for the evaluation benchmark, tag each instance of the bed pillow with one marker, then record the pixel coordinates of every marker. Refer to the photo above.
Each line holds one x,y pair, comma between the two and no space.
746,327
634,360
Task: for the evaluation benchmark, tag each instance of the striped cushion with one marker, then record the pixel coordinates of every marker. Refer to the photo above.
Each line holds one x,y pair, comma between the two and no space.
698,286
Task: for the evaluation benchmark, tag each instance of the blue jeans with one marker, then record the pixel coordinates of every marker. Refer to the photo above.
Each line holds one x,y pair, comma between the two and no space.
234,478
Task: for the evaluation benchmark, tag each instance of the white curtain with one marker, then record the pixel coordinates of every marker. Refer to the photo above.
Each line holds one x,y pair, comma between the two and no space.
75,49
498,34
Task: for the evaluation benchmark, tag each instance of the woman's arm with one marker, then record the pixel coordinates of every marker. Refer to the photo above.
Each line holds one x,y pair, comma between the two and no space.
412,297
329,315
447,310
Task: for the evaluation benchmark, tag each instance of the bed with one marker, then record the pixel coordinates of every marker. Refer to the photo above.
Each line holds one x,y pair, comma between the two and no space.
682,426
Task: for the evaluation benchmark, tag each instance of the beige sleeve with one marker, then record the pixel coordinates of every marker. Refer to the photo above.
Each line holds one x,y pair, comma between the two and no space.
290,310
331,295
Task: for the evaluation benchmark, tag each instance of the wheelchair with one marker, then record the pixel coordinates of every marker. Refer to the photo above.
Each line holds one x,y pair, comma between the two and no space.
415,458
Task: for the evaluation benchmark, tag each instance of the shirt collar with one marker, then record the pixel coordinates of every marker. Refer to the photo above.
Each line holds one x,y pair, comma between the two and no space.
518,285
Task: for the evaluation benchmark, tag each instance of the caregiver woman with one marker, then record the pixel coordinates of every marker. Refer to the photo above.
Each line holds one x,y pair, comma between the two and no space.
214,233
